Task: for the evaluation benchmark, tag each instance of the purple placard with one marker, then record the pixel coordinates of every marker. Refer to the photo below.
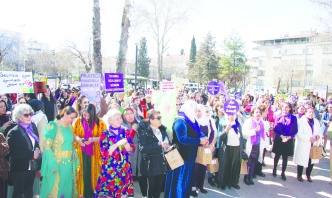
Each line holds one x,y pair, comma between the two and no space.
90,86
213,88
114,82
223,89
231,107
238,96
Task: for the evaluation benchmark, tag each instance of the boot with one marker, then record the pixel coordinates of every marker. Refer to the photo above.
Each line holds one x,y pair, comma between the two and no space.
210,181
274,173
246,179
250,180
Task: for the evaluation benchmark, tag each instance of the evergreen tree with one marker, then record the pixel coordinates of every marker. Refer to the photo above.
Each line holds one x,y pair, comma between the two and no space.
206,66
143,61
233,64
182,52
192,57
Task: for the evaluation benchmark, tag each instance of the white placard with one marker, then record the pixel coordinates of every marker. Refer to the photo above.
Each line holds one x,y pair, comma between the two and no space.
16,82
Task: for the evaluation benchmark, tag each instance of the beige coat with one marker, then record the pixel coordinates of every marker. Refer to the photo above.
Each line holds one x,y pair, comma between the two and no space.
302,142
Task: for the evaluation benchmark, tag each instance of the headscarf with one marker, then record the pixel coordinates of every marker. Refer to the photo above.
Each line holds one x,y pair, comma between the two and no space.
188,108
204,120
36,104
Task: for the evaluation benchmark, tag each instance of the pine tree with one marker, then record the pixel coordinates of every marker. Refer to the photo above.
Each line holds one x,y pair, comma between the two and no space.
233,64
206,66
192,57
143,61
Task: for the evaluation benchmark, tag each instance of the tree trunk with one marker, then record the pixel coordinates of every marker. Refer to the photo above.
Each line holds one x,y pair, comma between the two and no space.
121,62
278,84
97,57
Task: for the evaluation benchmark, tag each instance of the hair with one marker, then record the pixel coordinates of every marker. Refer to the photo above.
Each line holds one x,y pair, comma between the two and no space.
79,102
18,111
52,99
31,96
289,105
309,108
253,108
262,107
22,97
151,113
110,114
124,113
4,103
67,110
299,106
326,109
91,110
215,107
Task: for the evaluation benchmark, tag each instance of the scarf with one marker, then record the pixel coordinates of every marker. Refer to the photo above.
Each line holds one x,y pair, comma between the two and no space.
254,124
28,128
236,126
87,134
300,115
285,119
311,124
195,125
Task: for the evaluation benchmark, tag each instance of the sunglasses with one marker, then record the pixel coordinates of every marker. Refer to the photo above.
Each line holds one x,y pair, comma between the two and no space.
179,104
158,118
28,114
22,102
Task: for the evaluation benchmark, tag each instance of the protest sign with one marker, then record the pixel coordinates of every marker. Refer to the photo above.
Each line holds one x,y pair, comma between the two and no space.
167,86
39,87
213,88
114,82
231,107
90,86
238,96
16,82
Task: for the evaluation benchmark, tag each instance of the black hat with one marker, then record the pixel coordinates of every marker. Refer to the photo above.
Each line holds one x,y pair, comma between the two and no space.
36,105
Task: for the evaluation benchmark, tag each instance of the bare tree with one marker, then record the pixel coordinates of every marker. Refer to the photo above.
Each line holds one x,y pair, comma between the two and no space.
326,6
125,24
97,57
6,45
86,60
161,17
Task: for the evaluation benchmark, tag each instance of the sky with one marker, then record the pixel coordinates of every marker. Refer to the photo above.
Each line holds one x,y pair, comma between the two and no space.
61,22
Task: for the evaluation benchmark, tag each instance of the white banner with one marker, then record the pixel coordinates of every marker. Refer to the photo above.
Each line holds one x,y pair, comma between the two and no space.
16,82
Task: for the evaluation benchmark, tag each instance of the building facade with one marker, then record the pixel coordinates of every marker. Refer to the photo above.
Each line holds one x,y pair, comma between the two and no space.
294,63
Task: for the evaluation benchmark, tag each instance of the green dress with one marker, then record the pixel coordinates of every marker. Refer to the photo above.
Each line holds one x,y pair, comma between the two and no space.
58,154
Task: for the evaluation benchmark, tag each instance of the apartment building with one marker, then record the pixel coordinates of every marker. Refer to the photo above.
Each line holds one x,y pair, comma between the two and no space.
297,63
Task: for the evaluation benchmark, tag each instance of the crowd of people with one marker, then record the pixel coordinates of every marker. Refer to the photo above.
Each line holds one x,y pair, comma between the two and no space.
63,145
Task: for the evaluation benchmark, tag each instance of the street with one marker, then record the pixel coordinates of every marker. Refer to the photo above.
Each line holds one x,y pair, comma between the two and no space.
270,186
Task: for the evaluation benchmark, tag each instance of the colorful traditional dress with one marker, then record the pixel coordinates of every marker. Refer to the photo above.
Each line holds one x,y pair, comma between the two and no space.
58,154
90,159
115,177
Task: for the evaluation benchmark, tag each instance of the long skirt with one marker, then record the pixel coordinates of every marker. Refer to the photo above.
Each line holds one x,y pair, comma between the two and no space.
232,166
283,148
88,190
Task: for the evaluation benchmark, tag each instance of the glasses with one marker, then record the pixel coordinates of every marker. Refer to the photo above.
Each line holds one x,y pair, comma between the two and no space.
179,104
158,118
22,102
28,114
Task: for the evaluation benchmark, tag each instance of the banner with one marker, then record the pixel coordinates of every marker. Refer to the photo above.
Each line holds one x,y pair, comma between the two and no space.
114,82
321,91
90,86
167,85
16,82
39,87
165,102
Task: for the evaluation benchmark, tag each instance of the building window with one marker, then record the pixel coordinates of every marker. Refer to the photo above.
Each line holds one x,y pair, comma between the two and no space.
309,72
308,83
260,73
260,82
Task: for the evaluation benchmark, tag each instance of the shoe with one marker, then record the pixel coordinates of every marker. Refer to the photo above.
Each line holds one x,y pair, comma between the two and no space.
309,179
236,186
223,187
210,181
274,173
260,174
194,193
283,176
250,180
300,179
246,180
202,190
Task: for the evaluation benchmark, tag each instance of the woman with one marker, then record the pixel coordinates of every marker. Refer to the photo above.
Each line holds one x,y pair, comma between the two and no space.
300,111
285,130
205,125
134,107
4,166
22,100
253,132
115,179
23,148
326,120
59,157
50,107
4,118
153,141
187,135
87,131
278,103
63,100
309,130
81,101
230,156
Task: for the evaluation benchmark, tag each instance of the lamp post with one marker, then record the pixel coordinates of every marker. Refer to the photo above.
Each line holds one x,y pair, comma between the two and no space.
136,66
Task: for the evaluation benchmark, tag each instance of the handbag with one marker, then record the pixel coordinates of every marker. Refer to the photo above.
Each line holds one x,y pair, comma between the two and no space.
204,155
316,152
329,132
173,159
244,169
214,166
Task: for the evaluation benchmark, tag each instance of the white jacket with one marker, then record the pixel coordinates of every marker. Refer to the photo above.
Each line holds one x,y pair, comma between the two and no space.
302,142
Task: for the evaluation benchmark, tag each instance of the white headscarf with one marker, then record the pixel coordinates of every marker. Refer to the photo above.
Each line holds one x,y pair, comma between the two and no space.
189,108
204,120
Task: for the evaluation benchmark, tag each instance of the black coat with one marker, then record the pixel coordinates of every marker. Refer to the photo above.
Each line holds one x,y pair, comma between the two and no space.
19,152
153,160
